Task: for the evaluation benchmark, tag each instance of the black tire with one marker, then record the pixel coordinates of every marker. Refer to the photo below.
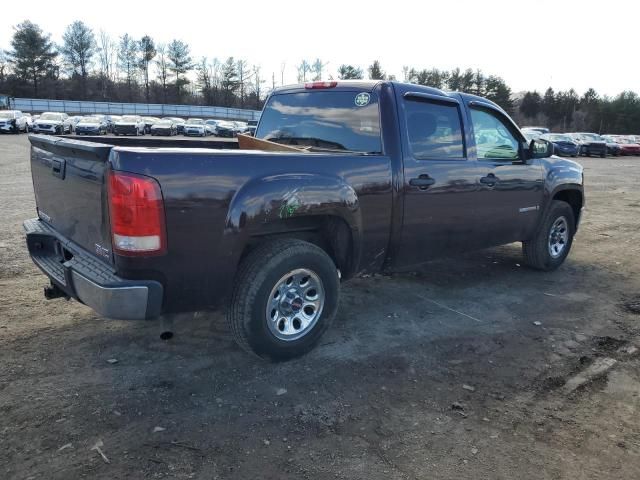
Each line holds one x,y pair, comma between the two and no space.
537,251
258,275
603,155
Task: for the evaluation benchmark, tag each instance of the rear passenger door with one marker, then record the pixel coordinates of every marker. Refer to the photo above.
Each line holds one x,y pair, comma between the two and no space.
440,188
511,187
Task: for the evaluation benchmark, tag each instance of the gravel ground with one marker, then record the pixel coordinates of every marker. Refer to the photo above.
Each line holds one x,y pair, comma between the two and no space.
470,368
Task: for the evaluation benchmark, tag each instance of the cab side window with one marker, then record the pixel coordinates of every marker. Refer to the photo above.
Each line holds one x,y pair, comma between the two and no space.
494,140
434,130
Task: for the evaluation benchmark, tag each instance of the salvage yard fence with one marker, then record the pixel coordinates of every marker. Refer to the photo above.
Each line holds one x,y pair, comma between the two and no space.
148,109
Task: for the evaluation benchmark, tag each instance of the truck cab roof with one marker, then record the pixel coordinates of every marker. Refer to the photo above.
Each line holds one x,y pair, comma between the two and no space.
370,85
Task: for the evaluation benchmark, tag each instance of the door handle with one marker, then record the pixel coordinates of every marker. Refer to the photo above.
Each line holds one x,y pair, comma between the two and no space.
58,168
489,180
422,182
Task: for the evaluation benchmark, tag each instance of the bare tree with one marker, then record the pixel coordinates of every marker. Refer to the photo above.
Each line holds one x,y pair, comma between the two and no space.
257,85
283,66
162,67
304,68
107,62
244,76
317,68
4,66
128,61
205,80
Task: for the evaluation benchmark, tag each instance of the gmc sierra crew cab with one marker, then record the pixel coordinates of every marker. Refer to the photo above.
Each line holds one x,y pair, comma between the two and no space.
393,175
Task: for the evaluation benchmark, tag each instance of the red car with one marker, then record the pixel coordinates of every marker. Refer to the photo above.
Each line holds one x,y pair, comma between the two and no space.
628,146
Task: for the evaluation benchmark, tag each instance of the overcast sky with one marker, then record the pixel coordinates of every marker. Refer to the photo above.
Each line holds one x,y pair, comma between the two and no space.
531,44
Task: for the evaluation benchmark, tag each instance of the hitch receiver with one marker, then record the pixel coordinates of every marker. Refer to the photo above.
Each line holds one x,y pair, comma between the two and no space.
53,291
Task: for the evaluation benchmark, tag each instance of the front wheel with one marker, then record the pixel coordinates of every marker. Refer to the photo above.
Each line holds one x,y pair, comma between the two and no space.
550,246
284,298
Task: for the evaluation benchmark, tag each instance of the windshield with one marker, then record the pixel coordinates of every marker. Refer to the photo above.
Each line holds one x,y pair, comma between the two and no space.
50,116
196,122
6,115
335,120
163,122
90,120
211,122
129,118
560,138
592,136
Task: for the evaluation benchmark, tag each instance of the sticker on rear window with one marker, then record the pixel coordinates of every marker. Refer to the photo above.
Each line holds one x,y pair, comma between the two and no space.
362,99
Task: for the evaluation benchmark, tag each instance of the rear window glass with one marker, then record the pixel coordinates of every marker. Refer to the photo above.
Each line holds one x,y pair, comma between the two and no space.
51,116
331,120
434,130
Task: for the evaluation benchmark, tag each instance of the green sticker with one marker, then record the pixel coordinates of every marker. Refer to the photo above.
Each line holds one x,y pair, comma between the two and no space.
363,99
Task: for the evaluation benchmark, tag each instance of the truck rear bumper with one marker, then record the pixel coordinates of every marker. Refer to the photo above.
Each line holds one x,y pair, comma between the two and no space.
85,278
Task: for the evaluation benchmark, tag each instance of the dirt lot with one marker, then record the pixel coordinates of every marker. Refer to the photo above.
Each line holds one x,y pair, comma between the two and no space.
442,374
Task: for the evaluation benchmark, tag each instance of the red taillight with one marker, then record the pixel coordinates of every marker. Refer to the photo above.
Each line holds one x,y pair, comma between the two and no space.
137,215
317,85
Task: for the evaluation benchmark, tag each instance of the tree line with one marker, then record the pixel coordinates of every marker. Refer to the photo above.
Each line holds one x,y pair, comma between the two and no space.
94,66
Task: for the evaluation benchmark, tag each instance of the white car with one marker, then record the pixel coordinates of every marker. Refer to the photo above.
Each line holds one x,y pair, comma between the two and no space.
54,123
129,125
195,127
29,121
211,126
13,121
241,127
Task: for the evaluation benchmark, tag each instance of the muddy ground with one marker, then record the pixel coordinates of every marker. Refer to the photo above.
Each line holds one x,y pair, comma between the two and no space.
402,387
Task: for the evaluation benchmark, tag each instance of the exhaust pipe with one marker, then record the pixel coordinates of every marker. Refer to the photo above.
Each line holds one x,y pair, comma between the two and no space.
166,327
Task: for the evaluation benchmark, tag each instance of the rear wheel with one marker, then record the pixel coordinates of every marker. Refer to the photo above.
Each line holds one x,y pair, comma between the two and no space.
285,297
550,246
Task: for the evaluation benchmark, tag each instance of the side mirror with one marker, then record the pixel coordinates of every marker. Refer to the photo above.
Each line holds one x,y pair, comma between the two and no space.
539,148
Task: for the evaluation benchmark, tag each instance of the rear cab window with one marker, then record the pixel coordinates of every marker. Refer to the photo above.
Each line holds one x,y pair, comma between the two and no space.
434,130
326,120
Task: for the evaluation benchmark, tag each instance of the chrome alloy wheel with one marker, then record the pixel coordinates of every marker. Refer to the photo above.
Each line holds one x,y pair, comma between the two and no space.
295,304
558,237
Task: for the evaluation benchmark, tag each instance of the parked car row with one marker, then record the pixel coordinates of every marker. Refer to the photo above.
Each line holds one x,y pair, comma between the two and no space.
57,123
586,143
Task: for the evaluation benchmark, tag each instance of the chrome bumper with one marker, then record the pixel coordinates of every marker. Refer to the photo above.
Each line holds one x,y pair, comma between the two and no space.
83,277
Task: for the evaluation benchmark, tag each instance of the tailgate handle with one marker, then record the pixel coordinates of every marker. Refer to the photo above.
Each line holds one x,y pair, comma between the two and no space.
58,167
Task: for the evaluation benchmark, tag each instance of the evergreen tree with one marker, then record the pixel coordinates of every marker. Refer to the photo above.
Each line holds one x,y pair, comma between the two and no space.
128,61
531,104
349,72
229,81
376,72
147,53
497,91
178,54
78,49
32,55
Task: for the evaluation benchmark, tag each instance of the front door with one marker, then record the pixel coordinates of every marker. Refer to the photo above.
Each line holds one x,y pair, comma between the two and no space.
441,189
511,186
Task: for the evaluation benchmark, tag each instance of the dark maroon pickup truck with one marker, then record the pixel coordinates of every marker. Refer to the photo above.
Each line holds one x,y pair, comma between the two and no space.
395,175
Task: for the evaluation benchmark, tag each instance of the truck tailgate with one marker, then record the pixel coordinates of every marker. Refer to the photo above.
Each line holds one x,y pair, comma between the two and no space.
69,184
